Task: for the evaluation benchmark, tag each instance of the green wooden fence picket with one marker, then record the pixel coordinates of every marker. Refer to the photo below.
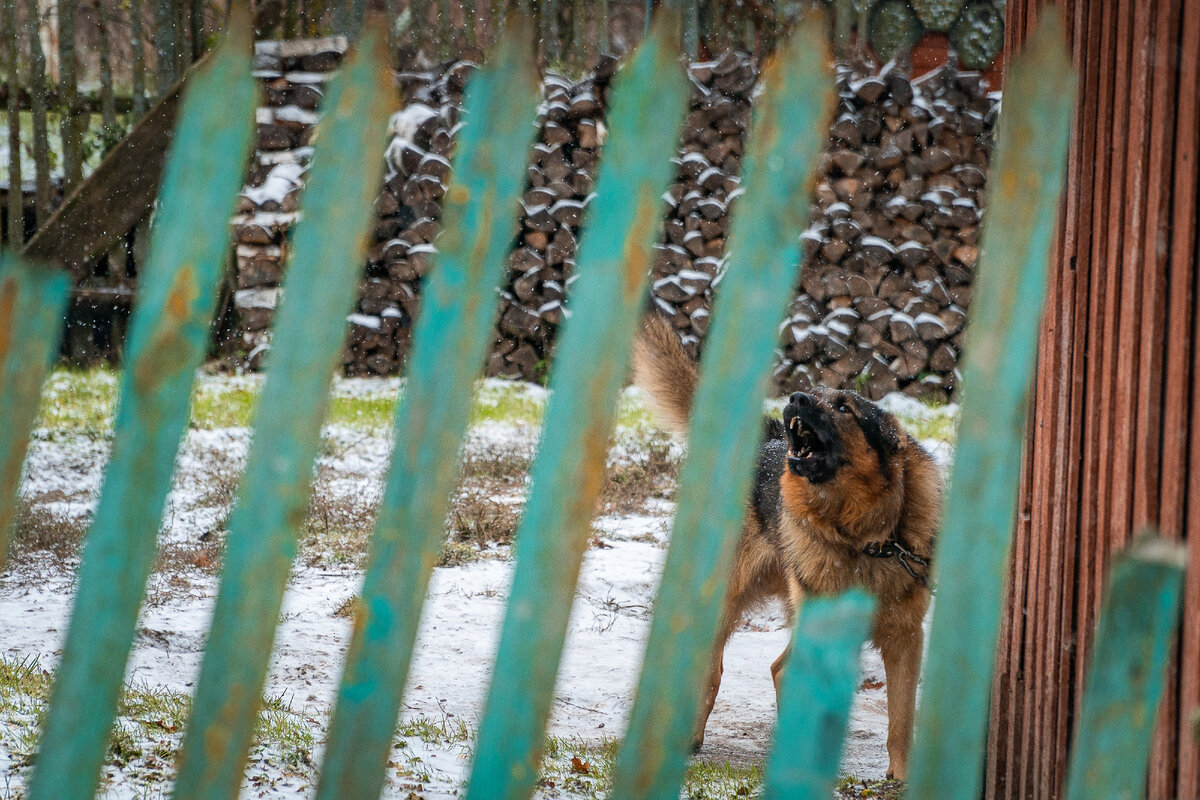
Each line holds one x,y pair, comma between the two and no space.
786,135
648,105
33,299
816,690
1138,618
1022,210
168,336
449,347
329,248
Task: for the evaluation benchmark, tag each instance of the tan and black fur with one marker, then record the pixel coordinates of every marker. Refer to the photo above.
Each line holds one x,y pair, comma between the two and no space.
837,476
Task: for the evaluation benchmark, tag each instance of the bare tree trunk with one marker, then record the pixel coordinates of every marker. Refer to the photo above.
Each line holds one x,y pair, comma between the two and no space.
70,126
182,26
196,27
108,105
38,97
16,205
445,29
341,17
420,23
290,28
470,22
165,45
136,40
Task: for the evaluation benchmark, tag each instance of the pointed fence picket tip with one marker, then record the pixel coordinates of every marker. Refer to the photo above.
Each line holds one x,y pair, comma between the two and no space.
1135,634
448,353
1023,195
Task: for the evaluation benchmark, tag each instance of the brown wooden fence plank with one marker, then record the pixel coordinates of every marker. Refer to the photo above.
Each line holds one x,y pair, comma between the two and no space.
1164,752
1185,247
1114,404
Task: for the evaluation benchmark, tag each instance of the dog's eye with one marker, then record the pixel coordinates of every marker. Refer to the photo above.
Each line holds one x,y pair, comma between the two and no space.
843,407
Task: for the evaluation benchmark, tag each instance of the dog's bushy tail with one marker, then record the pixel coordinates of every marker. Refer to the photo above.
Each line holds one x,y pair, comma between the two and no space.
664,370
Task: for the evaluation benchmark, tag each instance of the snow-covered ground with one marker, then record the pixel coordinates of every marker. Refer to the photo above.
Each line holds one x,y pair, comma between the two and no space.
459,631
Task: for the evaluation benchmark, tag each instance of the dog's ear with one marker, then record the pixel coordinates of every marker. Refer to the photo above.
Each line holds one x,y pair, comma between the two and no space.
880,428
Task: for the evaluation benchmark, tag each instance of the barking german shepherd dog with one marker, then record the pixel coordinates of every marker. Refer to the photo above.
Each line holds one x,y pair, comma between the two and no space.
843,498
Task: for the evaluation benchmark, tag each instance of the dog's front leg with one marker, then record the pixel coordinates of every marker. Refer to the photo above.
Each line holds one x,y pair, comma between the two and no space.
900,639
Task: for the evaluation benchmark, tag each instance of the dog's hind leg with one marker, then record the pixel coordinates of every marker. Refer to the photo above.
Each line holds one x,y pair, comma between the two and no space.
736,603
900,639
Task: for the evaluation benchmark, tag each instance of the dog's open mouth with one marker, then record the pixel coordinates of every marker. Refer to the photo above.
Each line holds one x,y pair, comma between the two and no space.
813,442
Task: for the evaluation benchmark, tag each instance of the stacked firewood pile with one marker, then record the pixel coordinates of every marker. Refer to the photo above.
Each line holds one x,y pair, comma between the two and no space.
690,260
562,173
409,209
891,251
294,75
889,256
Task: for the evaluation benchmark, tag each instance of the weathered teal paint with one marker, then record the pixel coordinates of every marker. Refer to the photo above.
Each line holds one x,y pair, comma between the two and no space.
329,249
449,346
1022,209
1138,621
33,301
168,335
787,134
648,105
816,689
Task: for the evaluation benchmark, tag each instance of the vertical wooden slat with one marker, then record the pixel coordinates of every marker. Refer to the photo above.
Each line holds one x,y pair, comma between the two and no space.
816,690
648,105
15,205
68,97
787,132
449,344
1125,679
1130,382
329,247
108,104
166,43
1074,331
137,47
33,302
1181,501
1161,74
168,336
38,102
1023,195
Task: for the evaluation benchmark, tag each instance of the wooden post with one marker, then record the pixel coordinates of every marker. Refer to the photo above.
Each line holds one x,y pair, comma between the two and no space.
137,45
16,199
38,102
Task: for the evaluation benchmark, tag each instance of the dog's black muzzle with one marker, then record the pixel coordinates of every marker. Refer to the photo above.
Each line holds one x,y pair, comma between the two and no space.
814,447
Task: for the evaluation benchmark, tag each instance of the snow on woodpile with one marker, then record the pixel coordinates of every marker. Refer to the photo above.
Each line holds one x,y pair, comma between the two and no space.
294,75
890,253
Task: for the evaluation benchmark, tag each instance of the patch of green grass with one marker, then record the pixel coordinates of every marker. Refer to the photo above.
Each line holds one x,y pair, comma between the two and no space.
585,769
850,788
509,402
228,406
372,411
79,402
634,416
149,728
711,780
